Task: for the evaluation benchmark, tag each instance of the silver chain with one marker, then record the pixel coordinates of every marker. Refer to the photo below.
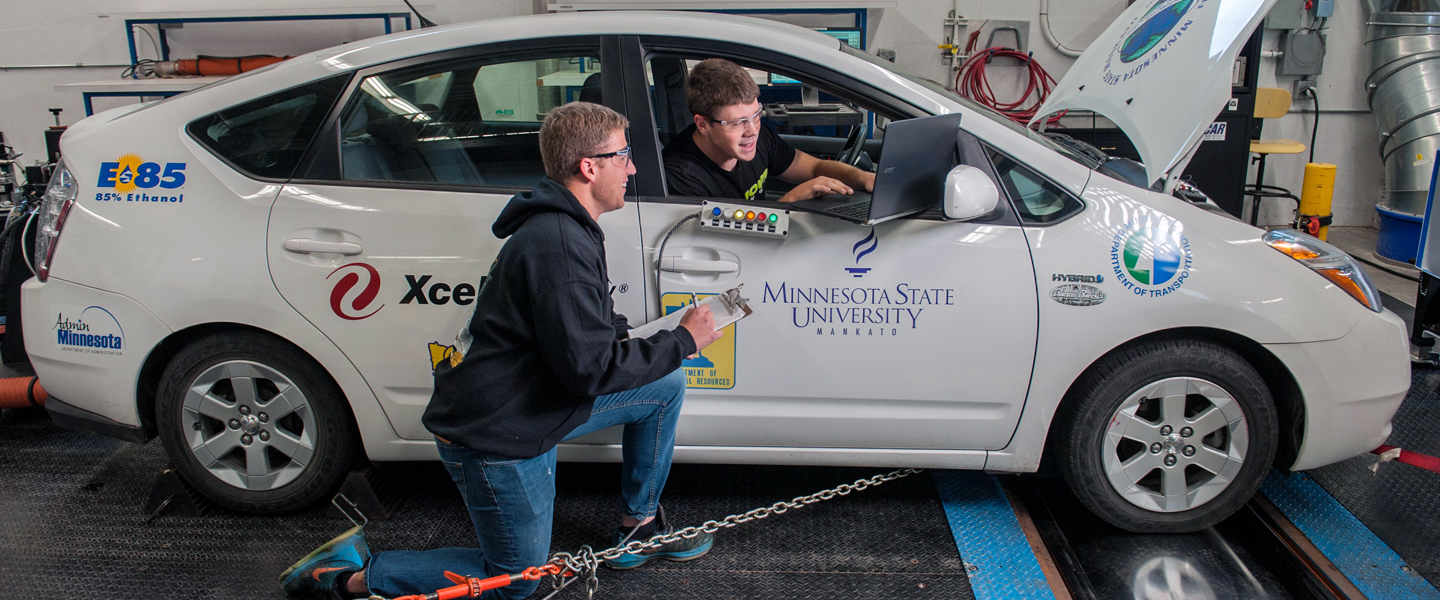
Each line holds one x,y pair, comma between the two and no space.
585,561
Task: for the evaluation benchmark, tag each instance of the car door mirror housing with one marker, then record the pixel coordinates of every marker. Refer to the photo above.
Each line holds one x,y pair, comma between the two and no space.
969,193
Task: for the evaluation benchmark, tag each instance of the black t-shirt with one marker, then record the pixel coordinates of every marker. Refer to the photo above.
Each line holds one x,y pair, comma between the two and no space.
688,172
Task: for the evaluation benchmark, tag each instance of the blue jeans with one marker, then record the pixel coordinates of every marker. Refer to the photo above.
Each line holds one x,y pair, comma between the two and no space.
511,501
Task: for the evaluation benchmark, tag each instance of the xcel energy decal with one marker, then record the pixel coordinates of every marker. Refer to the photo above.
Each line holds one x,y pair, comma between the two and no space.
357,287
355,290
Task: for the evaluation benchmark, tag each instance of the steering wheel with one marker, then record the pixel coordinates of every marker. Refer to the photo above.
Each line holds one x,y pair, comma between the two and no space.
854,145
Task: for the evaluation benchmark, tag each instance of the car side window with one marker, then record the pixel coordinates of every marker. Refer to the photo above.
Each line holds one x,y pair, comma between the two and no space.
267,137
1038,201
460,123
806,117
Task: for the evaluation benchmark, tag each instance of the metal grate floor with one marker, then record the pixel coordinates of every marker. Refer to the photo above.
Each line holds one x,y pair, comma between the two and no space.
1398,502
73,524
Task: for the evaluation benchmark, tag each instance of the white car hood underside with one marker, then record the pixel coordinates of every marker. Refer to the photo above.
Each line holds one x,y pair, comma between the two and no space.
1161,72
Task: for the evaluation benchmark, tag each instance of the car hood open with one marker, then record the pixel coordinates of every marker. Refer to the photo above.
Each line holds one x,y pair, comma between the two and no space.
1161,72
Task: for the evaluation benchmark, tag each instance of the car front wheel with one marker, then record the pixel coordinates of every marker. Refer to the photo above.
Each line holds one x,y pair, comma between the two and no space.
253,423
1168,436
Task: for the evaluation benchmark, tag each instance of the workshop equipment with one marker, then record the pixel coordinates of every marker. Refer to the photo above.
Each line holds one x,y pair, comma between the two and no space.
1404,48
1315,195
213,65
21,392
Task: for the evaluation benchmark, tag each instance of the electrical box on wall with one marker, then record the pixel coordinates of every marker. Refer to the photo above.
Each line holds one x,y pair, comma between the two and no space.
1304,53
1287,14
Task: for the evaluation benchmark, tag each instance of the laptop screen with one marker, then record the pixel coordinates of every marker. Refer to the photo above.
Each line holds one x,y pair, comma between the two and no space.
917,155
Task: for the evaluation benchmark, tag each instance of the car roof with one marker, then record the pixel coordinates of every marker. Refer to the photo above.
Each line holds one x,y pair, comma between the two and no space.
780,37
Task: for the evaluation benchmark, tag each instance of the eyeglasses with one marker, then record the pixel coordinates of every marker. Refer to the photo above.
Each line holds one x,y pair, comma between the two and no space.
622,153
734,124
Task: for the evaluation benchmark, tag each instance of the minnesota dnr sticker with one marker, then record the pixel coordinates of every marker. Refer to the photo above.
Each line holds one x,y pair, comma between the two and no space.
1151,256
714,367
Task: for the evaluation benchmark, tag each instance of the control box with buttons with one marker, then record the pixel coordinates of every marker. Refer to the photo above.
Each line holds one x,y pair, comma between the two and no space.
746,220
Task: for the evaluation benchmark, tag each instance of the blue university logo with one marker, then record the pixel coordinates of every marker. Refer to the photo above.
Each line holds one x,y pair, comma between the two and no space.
1151,257
861,248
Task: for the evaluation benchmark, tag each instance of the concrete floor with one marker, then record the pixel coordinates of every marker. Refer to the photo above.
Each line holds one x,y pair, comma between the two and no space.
1359,242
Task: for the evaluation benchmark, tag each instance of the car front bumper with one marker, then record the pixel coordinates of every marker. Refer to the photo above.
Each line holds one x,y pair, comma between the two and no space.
1352,387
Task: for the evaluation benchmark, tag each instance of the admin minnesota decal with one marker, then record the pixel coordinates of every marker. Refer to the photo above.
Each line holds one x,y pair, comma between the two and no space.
90,329
1151,256
1149,36
714,367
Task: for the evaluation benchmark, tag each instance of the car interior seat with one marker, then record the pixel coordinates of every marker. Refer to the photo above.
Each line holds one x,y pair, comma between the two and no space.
416,147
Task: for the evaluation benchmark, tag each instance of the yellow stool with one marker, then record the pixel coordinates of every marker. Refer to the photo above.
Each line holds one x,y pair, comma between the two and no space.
1270,103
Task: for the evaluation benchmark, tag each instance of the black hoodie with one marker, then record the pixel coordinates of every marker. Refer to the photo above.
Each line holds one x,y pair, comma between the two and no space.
547,340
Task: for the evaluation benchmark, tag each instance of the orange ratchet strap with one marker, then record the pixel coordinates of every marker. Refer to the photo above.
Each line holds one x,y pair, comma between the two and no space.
472,587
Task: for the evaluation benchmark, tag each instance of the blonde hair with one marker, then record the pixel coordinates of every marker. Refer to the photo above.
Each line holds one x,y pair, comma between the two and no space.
716,83
573,132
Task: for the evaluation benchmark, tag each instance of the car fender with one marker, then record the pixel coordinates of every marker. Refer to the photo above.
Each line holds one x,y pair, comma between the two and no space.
1234,282
200,261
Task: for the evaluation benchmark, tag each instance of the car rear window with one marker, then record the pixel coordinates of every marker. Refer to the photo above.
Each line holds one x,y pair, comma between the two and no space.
265,138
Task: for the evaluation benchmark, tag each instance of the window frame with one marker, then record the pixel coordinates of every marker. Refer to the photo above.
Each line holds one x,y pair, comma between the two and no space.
639,50
1075,205
649,164
309,145
322,165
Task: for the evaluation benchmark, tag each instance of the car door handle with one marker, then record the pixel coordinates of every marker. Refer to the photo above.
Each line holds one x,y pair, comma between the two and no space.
673,264
309,246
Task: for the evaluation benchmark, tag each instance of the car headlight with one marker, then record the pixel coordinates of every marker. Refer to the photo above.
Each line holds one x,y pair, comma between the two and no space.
1330,262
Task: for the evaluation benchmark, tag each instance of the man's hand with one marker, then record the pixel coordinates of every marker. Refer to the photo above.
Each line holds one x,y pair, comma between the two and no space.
869,179
701,323
816,187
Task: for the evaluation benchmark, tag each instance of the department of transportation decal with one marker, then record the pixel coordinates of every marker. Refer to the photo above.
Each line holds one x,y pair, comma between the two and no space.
1076,294
1150,256
1149,37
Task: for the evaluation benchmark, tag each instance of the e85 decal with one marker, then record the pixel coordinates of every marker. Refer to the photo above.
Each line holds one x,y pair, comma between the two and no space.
130,172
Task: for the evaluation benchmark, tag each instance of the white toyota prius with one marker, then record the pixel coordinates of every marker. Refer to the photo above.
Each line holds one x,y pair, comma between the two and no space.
265,272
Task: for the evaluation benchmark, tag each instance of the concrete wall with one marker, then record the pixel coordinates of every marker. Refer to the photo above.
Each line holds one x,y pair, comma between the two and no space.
47,33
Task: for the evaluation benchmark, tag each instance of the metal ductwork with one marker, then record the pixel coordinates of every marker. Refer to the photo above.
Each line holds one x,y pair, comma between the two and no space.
1404,94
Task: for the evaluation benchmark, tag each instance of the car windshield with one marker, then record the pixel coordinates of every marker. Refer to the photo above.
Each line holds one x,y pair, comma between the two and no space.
984,111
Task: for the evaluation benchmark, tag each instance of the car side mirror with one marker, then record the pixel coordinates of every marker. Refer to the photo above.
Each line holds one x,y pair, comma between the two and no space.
969,194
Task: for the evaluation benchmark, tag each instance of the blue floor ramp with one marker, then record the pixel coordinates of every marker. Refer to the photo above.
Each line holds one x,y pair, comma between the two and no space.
1370,564
996,554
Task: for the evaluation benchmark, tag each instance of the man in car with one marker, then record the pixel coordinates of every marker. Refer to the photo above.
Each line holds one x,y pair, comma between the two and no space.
548,360
728,153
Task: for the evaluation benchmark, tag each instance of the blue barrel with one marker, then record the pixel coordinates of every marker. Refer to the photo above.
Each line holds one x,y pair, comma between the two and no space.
1399,235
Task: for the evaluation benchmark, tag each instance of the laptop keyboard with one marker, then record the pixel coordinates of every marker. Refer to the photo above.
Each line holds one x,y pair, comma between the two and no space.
855,210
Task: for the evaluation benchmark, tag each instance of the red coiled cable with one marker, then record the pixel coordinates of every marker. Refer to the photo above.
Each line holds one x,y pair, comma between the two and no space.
971,83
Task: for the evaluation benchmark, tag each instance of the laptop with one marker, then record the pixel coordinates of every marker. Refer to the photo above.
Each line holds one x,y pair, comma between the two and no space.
918,154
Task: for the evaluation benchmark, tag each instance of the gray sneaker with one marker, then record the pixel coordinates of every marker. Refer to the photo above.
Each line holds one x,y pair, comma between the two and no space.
679,550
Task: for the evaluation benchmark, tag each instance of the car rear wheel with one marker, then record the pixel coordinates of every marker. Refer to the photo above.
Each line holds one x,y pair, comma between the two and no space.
253,423
1169,436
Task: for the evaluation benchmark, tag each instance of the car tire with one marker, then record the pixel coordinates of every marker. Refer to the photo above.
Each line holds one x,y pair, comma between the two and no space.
1168,436
254,424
